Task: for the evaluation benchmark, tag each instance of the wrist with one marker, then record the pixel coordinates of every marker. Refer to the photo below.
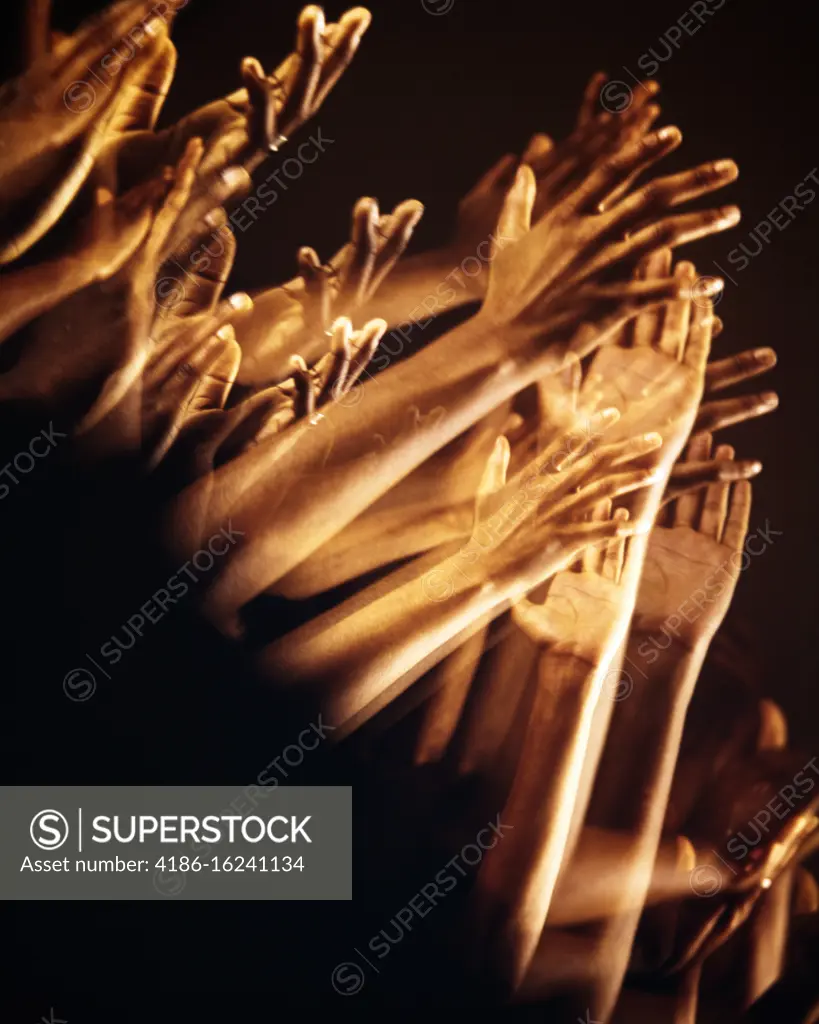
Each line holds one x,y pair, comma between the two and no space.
654,653
464,269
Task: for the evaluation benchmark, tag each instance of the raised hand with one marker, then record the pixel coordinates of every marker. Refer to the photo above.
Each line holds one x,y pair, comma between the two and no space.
557,265
245,126
536,527
55,125
68,362
296,318
433,398
558,169
693,564
282,102
212,436
578,628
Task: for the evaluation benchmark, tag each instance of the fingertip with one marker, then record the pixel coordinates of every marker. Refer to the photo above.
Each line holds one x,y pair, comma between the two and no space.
375,328
241,302
360,16
726,169
341,323
769,399
308,258
310,16
250,67
668,135
608,416
410,208
765,356
525,178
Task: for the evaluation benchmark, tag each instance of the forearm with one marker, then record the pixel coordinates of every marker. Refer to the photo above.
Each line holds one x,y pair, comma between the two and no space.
492,714
517,878
377,538
320,475
434,505
27,294
444,707
419,287
643,739
351,660
634,784
591,883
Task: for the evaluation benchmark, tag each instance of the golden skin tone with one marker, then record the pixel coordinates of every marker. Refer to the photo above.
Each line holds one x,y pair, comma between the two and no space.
635,794
568,217
54,126
293,319
668,352
461,695
652,722
243,127
422,510
339,652
529,910
423,285
741,960
444,375
676,327
578,627
72,342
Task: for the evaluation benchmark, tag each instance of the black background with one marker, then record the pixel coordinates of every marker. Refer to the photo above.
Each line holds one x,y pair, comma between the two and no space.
429,103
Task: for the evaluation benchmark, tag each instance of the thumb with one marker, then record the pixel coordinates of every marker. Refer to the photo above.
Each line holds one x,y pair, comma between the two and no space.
516,216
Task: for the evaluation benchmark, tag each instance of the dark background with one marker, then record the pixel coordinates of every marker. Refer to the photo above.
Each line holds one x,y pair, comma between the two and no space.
429,103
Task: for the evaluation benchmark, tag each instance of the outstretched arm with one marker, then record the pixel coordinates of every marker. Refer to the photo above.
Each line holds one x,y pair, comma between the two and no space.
357,651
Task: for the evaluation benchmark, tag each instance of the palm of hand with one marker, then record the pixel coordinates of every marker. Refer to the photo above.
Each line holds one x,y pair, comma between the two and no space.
687,584
579,616
650,390
276,330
